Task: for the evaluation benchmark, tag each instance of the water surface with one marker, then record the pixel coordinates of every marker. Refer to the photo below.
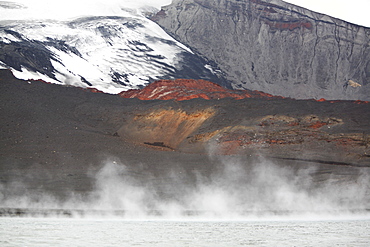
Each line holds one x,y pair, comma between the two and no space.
120,232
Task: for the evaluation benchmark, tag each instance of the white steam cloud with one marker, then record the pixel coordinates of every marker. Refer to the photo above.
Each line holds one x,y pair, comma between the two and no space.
238,190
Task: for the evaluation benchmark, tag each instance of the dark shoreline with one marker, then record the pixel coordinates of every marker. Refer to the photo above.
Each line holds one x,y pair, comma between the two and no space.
70,213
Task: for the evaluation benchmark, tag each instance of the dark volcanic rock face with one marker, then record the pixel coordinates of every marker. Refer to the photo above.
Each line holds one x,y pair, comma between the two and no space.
275,47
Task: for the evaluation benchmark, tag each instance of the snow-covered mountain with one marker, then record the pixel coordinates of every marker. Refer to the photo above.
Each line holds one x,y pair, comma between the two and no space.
111,53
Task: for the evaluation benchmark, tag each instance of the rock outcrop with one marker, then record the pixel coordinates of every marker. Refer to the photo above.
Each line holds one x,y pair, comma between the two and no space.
183,89
308,134
275,47
258,124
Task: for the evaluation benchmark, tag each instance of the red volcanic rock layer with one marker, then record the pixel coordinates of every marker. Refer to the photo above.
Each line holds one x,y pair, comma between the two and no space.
289,25
358,102
184,89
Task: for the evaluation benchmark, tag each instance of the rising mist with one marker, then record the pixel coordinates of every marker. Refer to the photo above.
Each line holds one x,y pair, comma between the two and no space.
237,189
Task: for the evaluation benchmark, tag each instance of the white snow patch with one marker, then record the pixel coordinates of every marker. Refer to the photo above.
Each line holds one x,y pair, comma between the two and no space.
209,67
25,74
164,94
158,89
8,38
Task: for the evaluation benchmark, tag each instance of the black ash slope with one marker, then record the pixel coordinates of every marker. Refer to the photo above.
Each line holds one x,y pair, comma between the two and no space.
54,137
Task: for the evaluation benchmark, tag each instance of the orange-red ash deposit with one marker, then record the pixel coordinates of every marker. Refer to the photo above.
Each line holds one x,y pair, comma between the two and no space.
185,89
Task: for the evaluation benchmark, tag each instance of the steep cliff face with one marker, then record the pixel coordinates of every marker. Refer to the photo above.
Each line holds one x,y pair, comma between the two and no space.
275,47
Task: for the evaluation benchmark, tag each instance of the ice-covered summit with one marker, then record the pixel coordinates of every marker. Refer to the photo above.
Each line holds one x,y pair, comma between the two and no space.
112,50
